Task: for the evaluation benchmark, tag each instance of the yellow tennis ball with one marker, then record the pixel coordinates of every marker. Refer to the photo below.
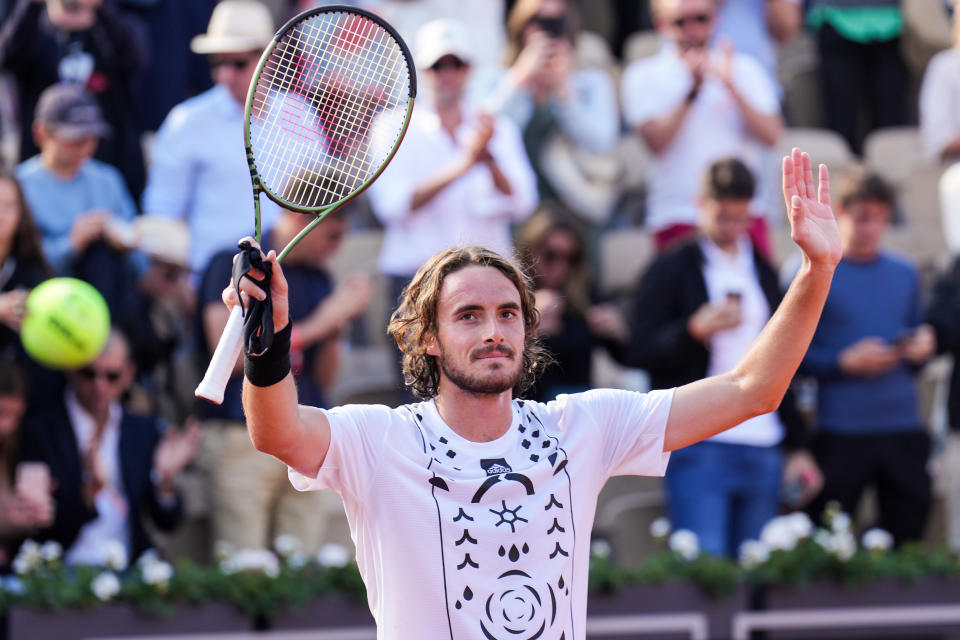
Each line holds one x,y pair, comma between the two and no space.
66,324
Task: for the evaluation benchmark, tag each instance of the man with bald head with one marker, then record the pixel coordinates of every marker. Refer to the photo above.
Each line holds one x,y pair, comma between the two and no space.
693,105
111,468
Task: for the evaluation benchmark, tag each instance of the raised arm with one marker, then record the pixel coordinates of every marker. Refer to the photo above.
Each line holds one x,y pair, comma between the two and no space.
757,384
278,425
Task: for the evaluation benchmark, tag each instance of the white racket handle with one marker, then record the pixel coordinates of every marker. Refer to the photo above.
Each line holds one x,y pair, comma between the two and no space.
224,358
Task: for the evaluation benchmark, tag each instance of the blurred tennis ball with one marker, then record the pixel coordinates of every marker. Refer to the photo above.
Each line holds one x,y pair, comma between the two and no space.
66,324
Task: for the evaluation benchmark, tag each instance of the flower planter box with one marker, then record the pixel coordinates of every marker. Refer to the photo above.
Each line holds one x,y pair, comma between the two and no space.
677,609
324,613
928,606
122,620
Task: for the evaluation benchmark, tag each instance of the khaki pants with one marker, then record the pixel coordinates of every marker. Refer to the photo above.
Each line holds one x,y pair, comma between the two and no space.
251,500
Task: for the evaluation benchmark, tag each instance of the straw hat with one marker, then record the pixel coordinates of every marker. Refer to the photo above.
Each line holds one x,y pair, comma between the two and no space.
162,238
236,26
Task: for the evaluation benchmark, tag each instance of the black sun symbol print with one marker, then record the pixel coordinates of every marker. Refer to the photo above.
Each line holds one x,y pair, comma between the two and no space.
508,516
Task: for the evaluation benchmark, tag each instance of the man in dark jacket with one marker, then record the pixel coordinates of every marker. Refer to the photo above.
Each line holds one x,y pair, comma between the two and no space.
89,43
111,468
697,309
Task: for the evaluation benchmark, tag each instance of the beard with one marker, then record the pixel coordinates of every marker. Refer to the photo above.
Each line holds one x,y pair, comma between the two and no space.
488,383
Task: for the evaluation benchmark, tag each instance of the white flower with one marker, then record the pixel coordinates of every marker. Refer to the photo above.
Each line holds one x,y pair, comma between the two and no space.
800,523
660,528
105,586
779,534
115,555
843,545
252,560
222,550
148,557
28,557
157,573
877,540
600,548
823,538
753,553
840,522
298,559
51,551
333,555
685,543
286,545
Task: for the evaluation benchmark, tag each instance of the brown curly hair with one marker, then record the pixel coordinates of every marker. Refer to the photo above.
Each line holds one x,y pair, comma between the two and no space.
416,318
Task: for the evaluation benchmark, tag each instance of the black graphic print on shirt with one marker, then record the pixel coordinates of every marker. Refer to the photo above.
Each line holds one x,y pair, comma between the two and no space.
507,536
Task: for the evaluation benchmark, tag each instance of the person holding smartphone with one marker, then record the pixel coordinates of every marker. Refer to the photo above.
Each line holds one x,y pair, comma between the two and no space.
696,310
26,504
544,92
869,345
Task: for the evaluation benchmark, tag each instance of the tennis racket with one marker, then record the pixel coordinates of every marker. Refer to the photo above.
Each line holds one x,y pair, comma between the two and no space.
327,108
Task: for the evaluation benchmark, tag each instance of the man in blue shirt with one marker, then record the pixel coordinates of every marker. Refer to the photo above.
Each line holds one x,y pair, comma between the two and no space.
251,501
81,205
868,345
198,170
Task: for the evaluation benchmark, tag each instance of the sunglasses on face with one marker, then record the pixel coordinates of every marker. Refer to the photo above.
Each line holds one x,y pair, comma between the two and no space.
237,64
695,18
448,63
553,256
110,375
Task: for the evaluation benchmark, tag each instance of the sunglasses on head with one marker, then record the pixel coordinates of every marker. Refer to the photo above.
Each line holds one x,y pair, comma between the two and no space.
110,375
448,62
237,64
694,18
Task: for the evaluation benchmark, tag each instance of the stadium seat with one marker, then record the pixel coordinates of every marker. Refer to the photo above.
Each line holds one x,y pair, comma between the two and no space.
895,152
824,146
624,254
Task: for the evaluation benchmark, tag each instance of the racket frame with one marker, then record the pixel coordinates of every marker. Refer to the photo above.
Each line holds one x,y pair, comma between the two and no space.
258,185
212,386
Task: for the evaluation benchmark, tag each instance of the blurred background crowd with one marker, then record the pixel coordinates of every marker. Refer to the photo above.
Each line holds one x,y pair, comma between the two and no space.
626,151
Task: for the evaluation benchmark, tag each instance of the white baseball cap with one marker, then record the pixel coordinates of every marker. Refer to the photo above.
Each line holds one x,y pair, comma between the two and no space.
442,37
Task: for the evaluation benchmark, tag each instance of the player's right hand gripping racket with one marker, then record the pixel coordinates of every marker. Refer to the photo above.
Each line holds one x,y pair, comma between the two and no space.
327,109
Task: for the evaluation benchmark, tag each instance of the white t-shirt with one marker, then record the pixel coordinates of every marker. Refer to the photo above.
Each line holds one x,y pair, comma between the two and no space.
469,210
473,540
713,129
939,97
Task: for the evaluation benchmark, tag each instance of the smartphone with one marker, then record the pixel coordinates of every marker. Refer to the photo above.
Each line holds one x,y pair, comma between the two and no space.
33,481
553,26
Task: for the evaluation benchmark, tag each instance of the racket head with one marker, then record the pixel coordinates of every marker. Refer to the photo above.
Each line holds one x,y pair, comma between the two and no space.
328,106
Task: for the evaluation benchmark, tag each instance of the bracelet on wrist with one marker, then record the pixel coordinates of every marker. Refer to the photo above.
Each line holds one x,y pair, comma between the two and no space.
273,365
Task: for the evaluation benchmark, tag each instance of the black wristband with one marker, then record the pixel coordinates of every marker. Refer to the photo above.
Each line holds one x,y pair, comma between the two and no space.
273,365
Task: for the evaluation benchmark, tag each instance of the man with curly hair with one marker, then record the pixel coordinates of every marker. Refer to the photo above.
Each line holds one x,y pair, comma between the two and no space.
471,510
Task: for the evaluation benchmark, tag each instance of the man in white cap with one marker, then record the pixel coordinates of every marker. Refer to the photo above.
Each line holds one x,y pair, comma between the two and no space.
198,169
460,177
199,174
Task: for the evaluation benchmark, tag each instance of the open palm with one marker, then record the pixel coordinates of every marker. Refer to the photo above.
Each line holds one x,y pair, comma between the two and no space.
813,225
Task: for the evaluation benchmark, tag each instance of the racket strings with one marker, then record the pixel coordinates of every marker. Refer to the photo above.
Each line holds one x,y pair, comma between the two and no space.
328,108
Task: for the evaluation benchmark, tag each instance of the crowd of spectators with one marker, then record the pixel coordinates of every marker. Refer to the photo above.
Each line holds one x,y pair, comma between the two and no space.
127,169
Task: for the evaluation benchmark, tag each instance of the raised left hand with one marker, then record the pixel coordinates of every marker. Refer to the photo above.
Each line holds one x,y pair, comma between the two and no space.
812,222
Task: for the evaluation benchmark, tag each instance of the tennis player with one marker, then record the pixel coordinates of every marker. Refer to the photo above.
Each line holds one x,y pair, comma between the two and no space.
471,511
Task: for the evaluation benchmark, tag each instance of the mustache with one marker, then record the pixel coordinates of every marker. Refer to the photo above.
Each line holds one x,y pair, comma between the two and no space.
498,349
